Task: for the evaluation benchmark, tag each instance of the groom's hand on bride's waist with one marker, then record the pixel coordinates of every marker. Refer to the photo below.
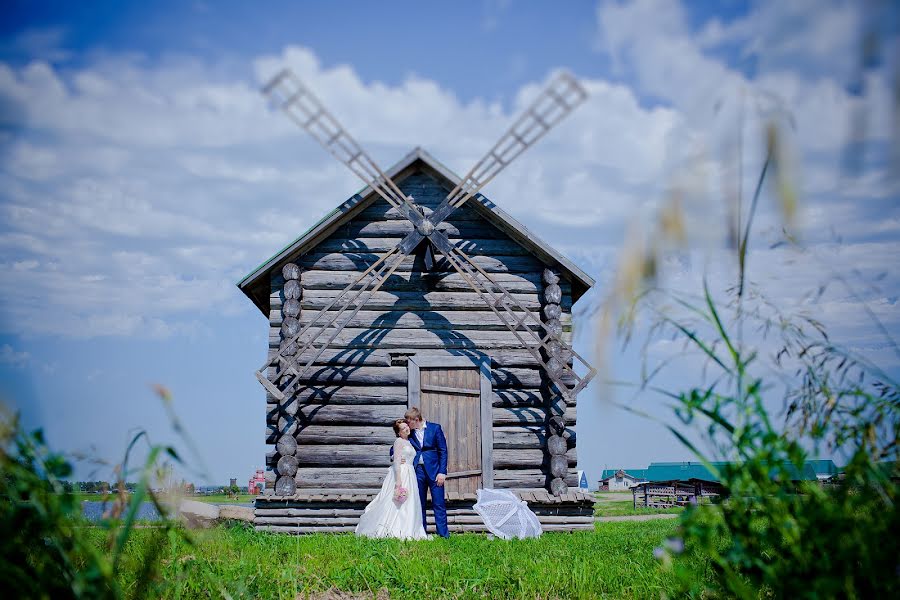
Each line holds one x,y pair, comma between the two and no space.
440,479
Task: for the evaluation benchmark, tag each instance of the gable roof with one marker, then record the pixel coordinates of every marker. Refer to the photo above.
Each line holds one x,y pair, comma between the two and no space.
669,471
633,473
256,284
823,466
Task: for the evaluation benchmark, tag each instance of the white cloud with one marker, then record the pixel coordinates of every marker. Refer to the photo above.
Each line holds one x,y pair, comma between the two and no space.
814,35
800,79
654,43
136,195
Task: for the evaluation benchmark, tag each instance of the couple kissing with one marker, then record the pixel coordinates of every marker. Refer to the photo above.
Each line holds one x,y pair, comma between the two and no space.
419,464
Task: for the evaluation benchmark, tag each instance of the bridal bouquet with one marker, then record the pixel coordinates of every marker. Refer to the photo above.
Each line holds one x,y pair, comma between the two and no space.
400,494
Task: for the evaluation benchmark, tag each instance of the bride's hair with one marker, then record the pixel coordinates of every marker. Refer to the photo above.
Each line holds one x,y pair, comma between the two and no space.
397,425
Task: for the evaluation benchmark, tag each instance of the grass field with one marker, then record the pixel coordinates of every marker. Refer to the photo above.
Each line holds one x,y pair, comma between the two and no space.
614,561
224,499
617,504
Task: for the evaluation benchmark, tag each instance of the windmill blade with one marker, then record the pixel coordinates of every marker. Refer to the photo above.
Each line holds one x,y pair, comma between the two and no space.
370,281
561,96
522,323
288,92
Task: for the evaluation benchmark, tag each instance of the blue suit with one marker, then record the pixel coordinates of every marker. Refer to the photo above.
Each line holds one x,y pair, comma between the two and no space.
433,454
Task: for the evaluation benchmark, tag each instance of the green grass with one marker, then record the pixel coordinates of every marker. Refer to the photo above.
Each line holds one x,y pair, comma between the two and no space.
612,504
224,499
614,561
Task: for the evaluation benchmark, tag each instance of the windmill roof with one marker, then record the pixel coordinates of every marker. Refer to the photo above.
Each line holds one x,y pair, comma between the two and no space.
256,284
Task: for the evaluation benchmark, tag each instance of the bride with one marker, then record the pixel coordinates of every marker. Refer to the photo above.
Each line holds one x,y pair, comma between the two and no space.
396,511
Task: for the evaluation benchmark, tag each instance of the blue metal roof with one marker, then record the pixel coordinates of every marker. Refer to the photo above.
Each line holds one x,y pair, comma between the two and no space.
668,471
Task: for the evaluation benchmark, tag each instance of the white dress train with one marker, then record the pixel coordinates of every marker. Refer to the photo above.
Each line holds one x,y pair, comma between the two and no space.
386,518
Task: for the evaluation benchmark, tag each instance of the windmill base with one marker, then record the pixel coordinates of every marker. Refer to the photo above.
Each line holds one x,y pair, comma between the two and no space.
338,511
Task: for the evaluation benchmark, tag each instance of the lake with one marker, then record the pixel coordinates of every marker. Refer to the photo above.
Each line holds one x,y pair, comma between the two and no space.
93,510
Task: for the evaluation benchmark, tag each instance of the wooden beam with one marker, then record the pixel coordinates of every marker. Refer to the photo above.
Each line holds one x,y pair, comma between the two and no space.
487,429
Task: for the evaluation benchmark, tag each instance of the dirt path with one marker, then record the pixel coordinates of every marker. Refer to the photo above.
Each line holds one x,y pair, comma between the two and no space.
637,517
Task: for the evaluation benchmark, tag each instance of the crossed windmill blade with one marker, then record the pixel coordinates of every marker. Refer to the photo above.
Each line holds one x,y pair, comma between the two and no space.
295,358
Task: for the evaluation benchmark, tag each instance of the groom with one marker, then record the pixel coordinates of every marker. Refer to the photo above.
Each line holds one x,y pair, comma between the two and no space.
431,466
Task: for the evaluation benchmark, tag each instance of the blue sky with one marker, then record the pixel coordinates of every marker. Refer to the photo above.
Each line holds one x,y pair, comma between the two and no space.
142,175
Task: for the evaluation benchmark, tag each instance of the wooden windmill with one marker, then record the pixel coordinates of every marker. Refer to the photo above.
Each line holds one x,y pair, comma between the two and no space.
331,327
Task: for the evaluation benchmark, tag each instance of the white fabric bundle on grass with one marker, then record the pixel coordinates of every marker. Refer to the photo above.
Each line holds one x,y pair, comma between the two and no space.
506,516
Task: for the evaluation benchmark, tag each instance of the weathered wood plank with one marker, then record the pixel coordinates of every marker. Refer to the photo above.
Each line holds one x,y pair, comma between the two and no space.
530,436
327,434
415,301
304,530
356,455
371,357
304,521
339,478
528,416
301,498
419,281
526,458
500,378
355,376
380,211
472,247
517,397
347,394
308,512
359,261
457,319
525,478
421,339
325,414
374,357
386,414
381,228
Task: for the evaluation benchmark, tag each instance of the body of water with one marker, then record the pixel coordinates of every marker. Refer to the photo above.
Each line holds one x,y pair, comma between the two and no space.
93,510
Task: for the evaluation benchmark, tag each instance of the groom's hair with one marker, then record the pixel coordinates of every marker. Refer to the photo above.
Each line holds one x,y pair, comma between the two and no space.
413,413
397,425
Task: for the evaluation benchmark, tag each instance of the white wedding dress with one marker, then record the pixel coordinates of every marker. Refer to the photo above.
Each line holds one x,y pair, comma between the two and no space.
384,517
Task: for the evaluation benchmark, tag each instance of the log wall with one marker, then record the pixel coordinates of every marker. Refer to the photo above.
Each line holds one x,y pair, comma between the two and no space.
341,415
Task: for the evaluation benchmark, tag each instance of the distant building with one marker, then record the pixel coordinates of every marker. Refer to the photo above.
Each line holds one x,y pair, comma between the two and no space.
825,469
692,471
233,482
620,479
257,482
681,471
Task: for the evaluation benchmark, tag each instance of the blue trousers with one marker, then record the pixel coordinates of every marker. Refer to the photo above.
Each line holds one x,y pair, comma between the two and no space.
437,501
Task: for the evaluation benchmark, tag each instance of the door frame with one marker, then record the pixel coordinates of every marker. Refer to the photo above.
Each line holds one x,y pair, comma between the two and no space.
445,360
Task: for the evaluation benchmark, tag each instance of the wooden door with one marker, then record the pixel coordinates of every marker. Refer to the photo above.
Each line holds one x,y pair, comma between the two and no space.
452,397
